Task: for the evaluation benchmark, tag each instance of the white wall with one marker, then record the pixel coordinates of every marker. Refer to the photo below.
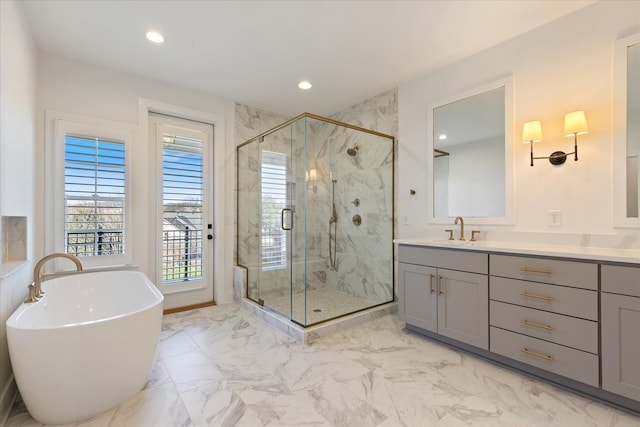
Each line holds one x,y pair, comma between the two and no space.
72,87
563,66
17,138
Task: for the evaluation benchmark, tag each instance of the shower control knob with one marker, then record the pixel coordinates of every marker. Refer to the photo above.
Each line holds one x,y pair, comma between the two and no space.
356,202
357,220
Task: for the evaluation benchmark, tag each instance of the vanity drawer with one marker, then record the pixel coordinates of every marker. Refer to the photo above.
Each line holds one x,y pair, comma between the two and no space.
559,272
472,262
565,361
568,331
621,280
558,299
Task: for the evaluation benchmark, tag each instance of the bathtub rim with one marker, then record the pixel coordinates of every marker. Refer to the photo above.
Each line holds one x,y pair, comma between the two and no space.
13,322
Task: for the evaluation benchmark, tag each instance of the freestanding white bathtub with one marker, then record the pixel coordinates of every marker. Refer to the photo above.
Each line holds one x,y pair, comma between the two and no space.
86,346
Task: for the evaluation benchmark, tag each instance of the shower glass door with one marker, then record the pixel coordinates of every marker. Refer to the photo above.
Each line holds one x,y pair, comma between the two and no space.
277,221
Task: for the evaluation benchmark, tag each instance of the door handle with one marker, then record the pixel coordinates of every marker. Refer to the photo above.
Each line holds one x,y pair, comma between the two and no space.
282,219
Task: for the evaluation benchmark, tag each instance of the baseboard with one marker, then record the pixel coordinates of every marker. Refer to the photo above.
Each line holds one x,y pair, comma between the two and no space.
188,307
7,399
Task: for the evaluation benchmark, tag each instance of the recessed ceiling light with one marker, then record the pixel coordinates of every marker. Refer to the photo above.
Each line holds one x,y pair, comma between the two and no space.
443,136
305,85
155,37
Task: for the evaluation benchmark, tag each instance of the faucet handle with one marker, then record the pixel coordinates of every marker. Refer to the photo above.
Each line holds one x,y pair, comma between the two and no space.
473,235
450,234
32,294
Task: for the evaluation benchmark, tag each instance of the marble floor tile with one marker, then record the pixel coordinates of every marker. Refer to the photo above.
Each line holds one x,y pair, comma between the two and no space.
222,366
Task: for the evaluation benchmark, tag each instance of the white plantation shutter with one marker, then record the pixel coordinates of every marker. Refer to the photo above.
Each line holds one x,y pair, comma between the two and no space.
94,195
274,199
183,209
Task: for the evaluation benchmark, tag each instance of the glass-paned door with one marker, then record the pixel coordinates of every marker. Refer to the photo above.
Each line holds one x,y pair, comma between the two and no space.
184,224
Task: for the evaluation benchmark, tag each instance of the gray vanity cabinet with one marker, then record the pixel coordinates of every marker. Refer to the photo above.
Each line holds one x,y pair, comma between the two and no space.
445,292
544,313
573,321
620,336
417,296
463,311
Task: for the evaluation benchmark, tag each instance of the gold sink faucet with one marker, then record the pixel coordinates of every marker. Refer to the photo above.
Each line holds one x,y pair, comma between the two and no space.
461,221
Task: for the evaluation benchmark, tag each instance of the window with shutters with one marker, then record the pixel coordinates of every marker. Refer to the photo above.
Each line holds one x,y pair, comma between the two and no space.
89,192
274,199
94,195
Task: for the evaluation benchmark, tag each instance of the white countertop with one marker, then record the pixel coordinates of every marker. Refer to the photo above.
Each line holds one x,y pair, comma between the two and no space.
576,252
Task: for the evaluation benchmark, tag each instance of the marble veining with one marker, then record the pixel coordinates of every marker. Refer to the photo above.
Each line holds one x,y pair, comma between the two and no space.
222,366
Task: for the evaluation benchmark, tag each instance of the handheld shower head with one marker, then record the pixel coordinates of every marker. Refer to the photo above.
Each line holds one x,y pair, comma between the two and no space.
353,151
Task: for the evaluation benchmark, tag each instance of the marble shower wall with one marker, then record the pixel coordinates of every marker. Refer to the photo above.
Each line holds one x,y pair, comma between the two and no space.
364,253
367,264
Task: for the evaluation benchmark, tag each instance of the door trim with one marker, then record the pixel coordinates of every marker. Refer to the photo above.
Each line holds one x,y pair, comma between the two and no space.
222,247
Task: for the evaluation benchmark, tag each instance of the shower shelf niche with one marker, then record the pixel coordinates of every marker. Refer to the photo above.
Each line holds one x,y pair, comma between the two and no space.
13,241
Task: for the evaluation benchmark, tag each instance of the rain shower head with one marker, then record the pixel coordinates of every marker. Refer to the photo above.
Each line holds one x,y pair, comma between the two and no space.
353,151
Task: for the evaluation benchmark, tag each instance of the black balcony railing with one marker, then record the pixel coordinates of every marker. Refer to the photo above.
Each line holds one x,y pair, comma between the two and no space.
181,255
181,250
95,243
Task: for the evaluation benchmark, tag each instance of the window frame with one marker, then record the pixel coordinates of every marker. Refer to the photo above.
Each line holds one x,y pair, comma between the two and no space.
62,125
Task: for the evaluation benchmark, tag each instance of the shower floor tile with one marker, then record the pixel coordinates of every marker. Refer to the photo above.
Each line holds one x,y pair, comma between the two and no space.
322,304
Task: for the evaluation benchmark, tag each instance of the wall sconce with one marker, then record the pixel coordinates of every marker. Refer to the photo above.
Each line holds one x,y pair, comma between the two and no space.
574,124
311,176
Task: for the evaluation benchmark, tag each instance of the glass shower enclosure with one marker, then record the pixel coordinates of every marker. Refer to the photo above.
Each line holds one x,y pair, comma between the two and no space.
315,218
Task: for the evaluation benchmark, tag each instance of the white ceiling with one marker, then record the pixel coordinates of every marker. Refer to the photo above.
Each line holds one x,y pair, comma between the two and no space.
255,52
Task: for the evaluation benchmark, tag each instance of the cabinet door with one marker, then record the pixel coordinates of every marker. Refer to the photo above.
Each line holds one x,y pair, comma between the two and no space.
463,307
417,296
620,321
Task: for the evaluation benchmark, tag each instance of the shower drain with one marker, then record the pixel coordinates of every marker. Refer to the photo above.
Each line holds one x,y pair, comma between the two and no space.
317,310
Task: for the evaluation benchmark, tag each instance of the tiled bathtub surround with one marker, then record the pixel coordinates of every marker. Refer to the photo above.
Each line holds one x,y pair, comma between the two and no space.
221,366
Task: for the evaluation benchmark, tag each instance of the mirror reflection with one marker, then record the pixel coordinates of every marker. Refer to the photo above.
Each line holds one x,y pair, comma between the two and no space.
633,129
469,156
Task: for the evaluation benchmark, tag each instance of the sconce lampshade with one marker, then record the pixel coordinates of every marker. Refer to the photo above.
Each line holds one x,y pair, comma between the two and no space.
575,124
532,132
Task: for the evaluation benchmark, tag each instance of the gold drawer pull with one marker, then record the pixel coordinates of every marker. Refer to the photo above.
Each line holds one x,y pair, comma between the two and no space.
535,270
440,291
536,325
431,290
528,295
533,353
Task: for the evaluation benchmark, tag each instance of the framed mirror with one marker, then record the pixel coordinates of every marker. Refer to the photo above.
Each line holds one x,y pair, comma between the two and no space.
470,149
626,143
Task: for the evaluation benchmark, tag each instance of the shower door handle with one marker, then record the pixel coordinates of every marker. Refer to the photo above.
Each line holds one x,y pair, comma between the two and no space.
282,219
